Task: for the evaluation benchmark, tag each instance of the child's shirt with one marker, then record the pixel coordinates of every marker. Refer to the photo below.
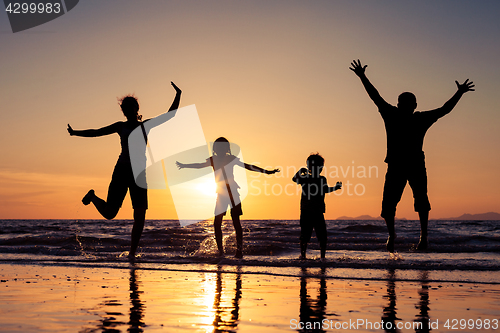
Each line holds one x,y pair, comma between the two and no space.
313,193
223,170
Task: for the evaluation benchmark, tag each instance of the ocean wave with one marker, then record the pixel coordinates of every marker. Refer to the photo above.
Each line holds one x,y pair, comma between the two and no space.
268,238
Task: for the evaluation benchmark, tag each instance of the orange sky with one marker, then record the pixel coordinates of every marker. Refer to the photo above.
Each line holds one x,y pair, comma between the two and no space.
272,77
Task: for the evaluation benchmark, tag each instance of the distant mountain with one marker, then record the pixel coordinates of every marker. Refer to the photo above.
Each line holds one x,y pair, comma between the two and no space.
483,216
361,217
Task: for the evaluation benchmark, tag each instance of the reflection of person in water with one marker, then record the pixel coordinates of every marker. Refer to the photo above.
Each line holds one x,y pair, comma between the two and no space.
405,159
112,320
423,305
390,311
312,311
137,309
223,163
389,317
123,178
220,324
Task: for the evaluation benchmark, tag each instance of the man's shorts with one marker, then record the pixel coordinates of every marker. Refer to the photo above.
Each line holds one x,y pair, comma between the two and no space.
398,174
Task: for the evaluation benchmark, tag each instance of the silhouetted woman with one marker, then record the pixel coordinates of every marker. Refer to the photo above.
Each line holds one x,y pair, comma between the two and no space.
123,178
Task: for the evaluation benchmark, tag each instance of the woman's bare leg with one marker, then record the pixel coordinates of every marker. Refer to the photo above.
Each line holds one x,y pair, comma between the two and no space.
106,210
139,219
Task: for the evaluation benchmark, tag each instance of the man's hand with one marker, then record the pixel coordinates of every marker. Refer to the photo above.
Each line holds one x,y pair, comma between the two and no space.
465,87
338,186
70,130
177,90
179,165
357,68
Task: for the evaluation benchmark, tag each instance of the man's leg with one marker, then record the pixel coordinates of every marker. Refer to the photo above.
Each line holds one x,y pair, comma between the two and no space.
418,184
395,182
424,221
303,247
389,221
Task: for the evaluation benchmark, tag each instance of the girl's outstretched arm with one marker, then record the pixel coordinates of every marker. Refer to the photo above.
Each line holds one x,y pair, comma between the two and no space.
258,169
92,133
177,98
192,165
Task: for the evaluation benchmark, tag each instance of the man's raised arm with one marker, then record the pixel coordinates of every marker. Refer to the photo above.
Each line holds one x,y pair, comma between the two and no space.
359,70
450,104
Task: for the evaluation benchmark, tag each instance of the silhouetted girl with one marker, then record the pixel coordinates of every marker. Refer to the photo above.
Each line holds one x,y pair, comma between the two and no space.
223,162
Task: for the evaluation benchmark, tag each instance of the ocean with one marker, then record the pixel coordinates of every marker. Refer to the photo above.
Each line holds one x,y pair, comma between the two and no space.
470,247
74,276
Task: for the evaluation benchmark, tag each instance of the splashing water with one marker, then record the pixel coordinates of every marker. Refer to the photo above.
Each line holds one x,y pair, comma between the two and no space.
208,246
395,256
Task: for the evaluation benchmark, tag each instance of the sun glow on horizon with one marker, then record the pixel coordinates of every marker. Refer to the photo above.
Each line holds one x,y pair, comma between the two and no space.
250,85
207,187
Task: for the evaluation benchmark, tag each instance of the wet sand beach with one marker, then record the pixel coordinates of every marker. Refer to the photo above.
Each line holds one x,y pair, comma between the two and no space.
232,298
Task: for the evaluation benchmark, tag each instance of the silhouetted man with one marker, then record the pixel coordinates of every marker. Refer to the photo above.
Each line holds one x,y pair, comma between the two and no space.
405,159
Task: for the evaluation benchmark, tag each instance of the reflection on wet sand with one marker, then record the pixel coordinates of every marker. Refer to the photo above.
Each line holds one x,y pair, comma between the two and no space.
311,301
390,311
111,323
421,323
137,308
226,317
312,311
423,304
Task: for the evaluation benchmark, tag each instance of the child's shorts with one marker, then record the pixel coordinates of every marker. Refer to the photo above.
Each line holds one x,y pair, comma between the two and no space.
224,202
310,221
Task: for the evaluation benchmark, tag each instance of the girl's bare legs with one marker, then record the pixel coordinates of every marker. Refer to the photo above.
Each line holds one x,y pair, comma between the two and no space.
239,236
218,233
139,219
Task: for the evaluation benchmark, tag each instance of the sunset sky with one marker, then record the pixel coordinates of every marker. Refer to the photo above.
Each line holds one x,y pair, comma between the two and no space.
271,76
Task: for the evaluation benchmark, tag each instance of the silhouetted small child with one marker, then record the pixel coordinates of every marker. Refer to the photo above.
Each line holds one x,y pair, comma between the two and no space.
223,163
312,202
